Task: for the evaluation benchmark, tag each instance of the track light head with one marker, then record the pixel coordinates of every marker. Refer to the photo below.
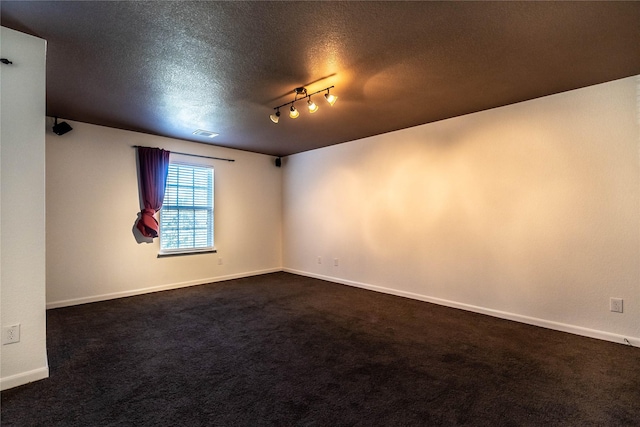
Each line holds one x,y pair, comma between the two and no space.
276,116
61,128
312,106
293,113
331,99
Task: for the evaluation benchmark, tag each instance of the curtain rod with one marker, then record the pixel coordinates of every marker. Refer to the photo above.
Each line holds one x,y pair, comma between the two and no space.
187,154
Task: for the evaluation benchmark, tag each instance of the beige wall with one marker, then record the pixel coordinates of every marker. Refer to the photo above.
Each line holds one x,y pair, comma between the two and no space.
22,213
528,212
92,205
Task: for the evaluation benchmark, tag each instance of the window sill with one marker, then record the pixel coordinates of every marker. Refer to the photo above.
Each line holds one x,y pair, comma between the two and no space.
183,253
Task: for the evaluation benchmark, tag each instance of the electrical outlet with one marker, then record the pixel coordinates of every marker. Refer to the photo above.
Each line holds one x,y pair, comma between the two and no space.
11,334
219,261
319,260
336,262
615,305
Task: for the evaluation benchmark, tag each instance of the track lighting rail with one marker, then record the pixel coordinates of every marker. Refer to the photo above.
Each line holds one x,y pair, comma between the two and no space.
300,94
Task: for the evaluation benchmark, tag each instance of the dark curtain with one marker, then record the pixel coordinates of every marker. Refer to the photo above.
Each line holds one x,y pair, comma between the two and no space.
153,167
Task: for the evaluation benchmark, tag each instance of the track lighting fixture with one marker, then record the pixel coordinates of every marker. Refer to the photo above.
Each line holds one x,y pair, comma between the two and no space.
300,94
312,106
331,99
276,116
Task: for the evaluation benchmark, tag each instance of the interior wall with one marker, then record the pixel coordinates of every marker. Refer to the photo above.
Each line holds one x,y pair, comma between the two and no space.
93,202
528,212
22,207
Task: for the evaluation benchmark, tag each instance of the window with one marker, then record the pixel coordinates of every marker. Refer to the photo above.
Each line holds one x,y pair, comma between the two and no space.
186,217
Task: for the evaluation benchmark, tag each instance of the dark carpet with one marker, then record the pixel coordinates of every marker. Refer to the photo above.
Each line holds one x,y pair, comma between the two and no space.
286,350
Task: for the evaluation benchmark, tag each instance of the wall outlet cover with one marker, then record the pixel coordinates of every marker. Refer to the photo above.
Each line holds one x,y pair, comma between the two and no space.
615,305
11,334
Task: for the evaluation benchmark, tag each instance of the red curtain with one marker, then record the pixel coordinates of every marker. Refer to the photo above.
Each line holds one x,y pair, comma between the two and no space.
153,167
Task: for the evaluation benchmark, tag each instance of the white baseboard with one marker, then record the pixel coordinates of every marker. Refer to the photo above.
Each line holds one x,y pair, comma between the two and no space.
24,378
563,327
133,292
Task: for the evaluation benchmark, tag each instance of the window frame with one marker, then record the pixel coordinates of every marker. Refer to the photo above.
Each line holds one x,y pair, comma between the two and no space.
191,250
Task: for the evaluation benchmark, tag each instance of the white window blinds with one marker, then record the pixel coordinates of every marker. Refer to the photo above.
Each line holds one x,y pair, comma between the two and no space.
186,217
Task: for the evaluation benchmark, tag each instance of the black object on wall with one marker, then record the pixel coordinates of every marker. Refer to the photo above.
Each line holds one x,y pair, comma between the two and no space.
278,162
61,128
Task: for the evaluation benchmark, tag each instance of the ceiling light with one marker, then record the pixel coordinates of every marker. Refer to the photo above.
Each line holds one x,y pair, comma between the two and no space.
312,106
300,94
276,116
331,99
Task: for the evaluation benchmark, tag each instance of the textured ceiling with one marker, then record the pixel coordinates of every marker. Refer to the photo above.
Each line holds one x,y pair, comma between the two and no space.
169,68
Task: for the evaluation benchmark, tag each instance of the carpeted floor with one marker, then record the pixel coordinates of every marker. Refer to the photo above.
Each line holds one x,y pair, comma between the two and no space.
286,350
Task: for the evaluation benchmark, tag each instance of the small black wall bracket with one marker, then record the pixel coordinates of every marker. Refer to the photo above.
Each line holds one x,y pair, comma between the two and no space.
5,61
